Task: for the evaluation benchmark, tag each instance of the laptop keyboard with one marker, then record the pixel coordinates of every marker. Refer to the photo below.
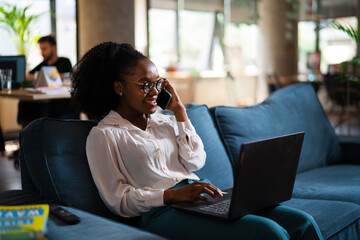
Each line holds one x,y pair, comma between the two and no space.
221,208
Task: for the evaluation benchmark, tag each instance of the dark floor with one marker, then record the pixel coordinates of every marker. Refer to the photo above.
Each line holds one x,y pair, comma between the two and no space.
10,177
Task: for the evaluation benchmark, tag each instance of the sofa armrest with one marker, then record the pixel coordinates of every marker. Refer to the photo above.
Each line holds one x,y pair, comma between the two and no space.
350,149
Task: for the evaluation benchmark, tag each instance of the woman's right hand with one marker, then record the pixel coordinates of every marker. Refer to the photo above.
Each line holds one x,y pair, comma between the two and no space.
175,105
191,192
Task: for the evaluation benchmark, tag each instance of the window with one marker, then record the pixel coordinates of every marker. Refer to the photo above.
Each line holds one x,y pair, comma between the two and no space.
162,37
196,31
242,41
189,34
66,30
335,46
41,27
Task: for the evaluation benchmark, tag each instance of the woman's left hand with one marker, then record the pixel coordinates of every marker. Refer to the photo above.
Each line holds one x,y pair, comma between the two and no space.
175,105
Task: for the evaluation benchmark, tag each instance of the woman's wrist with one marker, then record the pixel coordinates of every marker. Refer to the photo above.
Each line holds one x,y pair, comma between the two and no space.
180,114
168,196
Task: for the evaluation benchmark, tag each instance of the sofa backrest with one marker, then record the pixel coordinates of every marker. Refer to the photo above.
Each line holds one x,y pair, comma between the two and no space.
217,167
292,109
54,164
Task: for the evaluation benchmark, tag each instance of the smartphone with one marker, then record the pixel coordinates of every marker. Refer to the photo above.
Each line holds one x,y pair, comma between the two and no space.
163,99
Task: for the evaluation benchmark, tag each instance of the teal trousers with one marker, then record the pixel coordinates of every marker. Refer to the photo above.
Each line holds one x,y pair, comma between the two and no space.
279,222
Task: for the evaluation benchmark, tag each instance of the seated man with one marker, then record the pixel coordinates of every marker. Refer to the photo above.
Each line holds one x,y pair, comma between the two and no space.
48,49
58,108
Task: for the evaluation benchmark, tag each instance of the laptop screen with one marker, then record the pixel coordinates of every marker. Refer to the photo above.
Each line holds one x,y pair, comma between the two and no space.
17,64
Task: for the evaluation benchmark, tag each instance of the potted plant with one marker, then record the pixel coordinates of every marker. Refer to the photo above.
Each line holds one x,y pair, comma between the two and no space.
350,70
17,21
343,85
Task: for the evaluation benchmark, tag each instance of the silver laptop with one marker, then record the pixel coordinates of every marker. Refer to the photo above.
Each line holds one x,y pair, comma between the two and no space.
265,176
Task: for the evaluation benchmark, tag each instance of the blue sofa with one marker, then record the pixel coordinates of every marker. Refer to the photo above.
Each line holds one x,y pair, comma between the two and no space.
54,163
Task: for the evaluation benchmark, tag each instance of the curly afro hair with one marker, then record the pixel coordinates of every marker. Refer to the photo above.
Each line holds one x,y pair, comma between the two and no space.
95,73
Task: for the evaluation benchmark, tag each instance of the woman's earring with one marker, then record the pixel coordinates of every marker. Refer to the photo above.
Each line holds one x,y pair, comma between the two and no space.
120,94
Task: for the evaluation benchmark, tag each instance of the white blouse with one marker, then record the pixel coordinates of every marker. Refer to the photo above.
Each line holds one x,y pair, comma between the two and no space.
132,167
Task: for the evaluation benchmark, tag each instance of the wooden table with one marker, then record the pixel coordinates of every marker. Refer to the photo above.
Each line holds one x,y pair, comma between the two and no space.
22,94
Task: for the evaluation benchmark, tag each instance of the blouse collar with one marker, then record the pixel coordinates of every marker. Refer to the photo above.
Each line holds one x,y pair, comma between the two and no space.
115,119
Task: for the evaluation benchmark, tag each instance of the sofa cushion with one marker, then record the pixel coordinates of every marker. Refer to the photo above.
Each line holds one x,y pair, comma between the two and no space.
336,182
218,166
292,109
53,156
335,219
95,227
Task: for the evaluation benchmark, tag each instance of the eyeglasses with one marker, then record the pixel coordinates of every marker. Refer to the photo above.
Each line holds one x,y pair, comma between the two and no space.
149,85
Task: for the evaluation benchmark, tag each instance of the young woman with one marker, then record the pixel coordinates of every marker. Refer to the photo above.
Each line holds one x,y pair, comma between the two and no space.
141,161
